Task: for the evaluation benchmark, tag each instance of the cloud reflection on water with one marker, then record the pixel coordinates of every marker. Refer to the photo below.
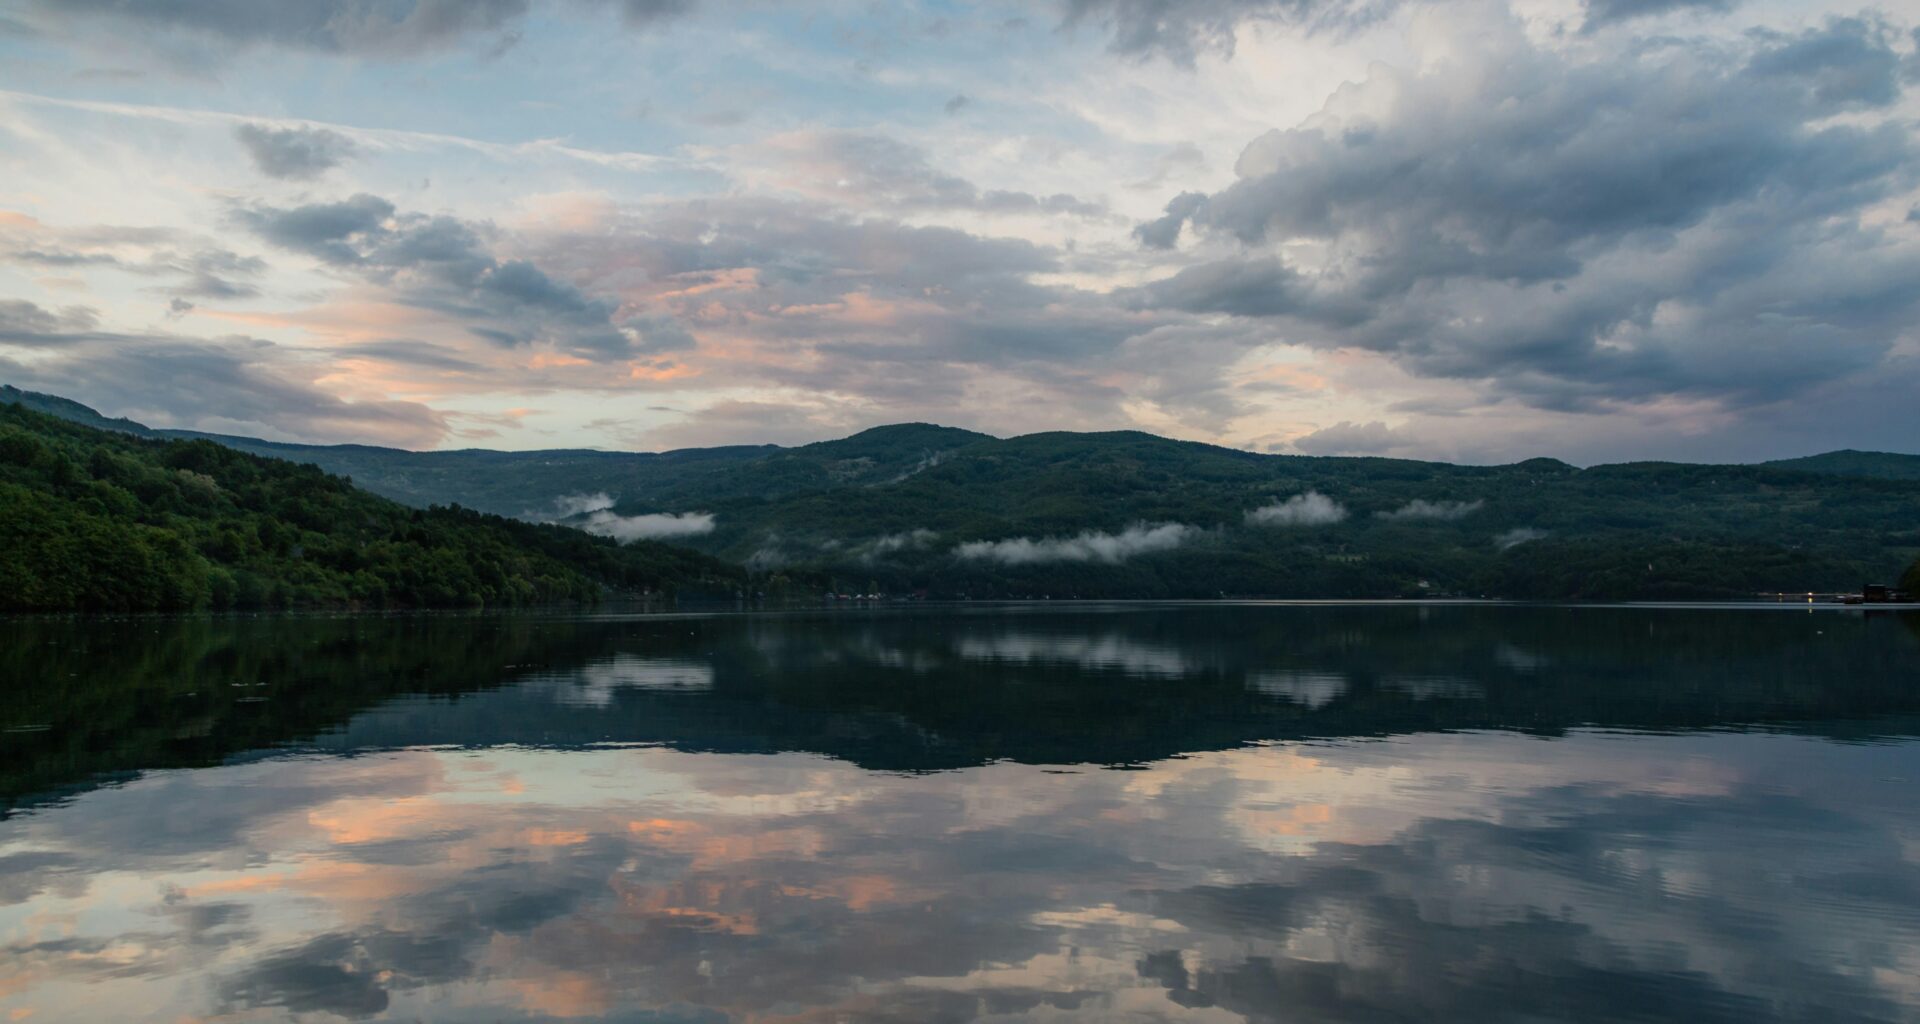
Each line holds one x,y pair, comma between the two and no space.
1437,877
478,858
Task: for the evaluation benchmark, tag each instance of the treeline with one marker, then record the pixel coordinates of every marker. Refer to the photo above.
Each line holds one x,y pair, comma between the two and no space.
102,521
1540,530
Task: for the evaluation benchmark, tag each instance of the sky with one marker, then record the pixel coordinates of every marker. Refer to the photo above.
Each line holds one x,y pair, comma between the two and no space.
1471,230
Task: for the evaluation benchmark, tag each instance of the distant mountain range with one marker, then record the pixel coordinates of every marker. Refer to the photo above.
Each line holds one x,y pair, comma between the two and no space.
918,507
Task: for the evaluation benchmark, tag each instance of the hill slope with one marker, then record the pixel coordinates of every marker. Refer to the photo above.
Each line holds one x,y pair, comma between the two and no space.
1885,465
1128,514
104,520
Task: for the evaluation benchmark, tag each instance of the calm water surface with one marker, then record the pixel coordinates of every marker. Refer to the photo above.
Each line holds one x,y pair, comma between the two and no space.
1213,813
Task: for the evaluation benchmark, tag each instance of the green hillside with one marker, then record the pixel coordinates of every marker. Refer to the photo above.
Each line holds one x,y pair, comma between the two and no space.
1885,465
103,520
1129,514
1538,529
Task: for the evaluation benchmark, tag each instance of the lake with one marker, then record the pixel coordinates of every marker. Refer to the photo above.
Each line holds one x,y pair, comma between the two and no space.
1212,812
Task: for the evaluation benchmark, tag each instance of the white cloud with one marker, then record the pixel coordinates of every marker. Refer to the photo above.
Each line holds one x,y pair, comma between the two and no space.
569,505
1309,509
893,542
1517,536
1420,508
599,518
655,526
1089,546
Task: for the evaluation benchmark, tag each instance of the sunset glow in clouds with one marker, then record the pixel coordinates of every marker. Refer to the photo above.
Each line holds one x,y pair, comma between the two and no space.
1593,229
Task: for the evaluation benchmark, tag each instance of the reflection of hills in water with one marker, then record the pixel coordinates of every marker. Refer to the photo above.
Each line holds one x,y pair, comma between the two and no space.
929,688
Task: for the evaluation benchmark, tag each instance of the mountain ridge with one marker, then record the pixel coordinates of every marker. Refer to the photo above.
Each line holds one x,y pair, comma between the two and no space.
951,512
1838,462
96,519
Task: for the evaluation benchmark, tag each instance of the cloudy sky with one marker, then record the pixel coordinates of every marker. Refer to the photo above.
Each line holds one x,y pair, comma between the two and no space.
1594,229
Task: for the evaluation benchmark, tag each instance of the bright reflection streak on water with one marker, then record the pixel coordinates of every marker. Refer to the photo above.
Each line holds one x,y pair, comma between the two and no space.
1326,814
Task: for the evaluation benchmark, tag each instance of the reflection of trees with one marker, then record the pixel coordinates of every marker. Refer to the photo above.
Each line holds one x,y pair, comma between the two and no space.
90,696
929,689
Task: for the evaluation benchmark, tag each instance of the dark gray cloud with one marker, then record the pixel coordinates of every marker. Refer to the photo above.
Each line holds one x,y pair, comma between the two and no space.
1182,30
1582,234
26,323
1848,62
413,353
1608,12
1497,966
385,29
296,154
958,103
328,974
209,273
236,385
200,269
1164,233
646,13
445,264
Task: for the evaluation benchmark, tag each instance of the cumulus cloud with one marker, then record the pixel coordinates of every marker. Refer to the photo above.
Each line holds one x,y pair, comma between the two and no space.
1848,62
1309,509
295,154
1582,231
862,320
1420,508
446,265
1517,536
1088,546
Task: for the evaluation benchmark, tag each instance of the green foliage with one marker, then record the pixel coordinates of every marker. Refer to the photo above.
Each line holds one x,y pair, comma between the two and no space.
1885,465
1633,531
819,512
100,520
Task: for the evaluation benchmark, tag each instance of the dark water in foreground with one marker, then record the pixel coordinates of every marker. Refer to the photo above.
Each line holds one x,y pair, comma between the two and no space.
1214,813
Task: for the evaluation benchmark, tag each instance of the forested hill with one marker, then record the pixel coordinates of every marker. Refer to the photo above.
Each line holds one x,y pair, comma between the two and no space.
918,507
1885,465
98,519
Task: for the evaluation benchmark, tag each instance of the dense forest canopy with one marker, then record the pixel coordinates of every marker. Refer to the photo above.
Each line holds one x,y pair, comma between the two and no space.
952,513
102,520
